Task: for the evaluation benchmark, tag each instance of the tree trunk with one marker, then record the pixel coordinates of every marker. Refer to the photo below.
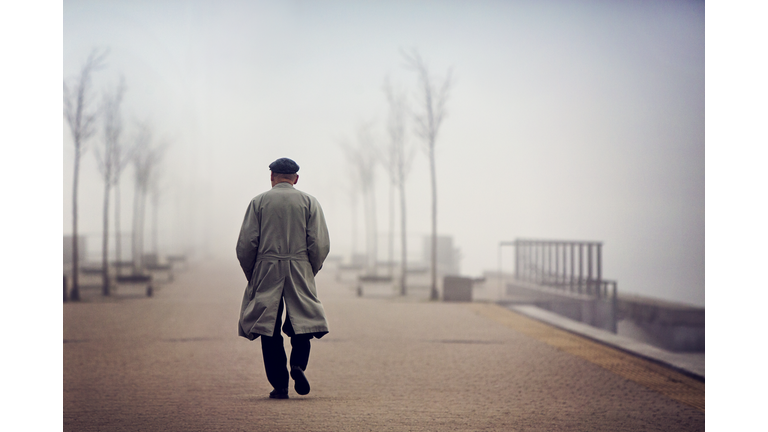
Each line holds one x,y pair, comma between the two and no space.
105,242
118,244
75,295
391,257
142,210
135,230
154,222
433,295
354,227
404,252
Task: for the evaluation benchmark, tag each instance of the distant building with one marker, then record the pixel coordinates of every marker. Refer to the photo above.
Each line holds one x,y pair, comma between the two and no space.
448,257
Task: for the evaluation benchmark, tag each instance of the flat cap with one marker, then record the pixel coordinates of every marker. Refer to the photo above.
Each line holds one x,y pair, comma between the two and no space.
284,166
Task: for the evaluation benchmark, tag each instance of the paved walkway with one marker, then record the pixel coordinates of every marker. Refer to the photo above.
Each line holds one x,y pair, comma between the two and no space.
174,362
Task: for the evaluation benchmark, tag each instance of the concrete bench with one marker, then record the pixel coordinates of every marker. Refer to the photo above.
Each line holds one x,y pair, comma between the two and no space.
137,279
457,288
374,284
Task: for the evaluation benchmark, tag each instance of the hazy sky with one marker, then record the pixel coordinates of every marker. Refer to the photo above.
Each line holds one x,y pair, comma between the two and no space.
574,120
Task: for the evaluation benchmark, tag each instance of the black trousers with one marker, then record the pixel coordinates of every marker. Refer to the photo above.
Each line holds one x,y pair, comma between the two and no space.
274,353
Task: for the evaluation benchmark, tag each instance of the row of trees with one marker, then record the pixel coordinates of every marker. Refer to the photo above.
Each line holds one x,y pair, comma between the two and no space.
113,153
424,110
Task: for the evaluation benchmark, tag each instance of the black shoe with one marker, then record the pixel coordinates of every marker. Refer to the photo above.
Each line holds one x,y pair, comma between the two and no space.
302,385
279,394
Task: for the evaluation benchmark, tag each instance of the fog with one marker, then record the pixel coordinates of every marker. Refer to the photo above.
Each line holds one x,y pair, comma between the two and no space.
572,120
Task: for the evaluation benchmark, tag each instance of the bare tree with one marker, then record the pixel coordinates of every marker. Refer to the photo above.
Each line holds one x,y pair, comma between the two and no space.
386,157
146,159
431,98
80,113
123,154
398,159
110,162
363,158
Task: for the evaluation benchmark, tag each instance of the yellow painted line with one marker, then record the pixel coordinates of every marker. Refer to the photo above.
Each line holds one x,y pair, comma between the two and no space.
653,376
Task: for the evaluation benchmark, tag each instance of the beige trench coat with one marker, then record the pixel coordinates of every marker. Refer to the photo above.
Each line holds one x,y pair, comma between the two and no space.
282,245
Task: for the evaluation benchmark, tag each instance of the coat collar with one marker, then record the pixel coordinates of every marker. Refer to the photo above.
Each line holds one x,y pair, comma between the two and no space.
283,185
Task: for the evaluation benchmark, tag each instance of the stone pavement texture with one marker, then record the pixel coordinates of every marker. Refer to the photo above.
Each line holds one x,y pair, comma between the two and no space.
174,362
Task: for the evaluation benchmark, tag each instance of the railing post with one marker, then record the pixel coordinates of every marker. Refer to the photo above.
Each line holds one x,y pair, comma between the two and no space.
614,303
543,278
561,272
540,268
600,266
552,263
573,272
581,265
565,265
557,264
528,261
522,260
549,263
531,261
589,268
517,260
546,261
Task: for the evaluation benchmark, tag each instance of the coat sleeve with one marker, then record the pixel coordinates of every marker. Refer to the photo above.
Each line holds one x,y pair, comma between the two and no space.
248,241
318,241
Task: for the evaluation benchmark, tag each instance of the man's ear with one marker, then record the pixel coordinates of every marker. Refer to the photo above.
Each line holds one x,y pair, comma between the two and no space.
297,179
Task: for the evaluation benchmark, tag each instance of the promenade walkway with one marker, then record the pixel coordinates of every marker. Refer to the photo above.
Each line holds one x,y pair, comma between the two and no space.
174,362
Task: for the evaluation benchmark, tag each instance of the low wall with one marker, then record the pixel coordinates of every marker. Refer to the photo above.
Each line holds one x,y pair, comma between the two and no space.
671,326
582,308
666,325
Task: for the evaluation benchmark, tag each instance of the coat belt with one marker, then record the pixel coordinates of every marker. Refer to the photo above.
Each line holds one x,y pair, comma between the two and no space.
278,257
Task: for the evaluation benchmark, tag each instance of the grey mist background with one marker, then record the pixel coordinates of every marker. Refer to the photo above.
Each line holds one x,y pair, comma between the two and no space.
576,120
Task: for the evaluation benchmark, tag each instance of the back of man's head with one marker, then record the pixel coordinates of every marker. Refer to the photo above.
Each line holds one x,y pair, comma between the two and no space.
284,166
284,171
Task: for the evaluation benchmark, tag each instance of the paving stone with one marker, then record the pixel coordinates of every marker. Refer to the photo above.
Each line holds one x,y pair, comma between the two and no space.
175,362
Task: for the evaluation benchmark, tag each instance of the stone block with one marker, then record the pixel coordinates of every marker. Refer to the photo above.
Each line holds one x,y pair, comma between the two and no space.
457,288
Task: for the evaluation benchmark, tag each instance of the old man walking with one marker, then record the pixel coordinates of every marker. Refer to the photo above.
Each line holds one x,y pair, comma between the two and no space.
282,245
